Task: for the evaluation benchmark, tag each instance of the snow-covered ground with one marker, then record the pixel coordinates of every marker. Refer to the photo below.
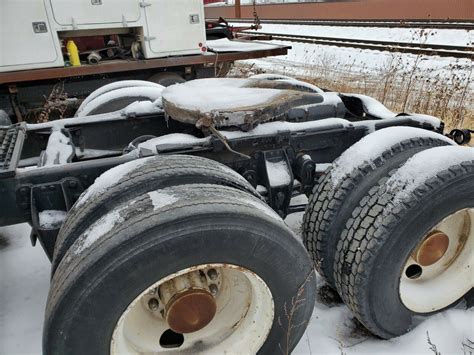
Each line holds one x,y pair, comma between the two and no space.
396,34
311,60
24,282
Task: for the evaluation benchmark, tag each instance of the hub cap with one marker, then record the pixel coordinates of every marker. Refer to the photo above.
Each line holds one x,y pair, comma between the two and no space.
432,249
190,311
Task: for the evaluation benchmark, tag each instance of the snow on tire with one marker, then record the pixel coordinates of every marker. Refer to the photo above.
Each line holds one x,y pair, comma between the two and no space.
349,179
407,251
118,99
293,83
186,269
111,87
129,180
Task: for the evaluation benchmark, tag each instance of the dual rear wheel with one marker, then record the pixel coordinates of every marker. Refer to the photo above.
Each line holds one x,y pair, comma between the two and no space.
391,228
180,253
176,254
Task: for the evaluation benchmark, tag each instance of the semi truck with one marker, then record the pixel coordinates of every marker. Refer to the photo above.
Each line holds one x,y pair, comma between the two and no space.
161,208
164,223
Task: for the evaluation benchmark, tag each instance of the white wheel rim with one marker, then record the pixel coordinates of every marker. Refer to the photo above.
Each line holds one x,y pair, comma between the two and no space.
244,317
429,288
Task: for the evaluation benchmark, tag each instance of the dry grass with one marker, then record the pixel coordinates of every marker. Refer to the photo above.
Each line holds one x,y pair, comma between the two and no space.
402,84
401,88
410,89
56,105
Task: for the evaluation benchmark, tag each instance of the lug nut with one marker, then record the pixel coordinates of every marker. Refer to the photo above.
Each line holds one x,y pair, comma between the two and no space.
213,288
153,304
212,273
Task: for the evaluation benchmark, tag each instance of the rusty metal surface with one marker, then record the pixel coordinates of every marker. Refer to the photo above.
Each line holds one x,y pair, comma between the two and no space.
122,66
352,10
432,248
190,311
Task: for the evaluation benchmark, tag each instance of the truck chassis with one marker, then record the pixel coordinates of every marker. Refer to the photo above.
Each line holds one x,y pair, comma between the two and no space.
224,182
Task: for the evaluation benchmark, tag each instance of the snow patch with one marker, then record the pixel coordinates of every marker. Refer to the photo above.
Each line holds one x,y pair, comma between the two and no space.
214,95
161,199
272,128
143,107
51,219
174,139
453,37
25,274
374,144
88,153
333,331
331,98
303,57
278,173
373,107
108,179
322,167
423,166
434,121
312,87
262,190
98,229
287,79
59,149
227,45
377,109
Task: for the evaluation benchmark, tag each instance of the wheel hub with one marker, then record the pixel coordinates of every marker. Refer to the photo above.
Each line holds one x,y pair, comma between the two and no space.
190,311
432,249
207,308
439,270
189,300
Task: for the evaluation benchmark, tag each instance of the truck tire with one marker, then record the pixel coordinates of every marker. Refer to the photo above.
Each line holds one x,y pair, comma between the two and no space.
166,79
406,253
215,248
118,99
133,179
349,179
114,86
